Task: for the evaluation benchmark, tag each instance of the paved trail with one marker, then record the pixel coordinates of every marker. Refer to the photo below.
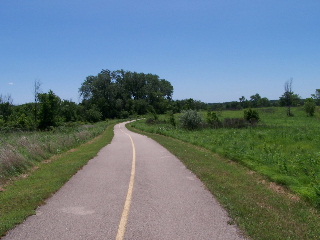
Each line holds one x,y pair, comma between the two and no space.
164,200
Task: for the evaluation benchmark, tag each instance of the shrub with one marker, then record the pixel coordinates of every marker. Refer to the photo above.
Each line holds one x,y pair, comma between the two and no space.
150,121
252,116
191,119
93,115
310,107
124,114
213,120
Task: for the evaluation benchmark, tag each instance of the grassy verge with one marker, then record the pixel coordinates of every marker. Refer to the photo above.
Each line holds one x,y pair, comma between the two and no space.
22,151
255,204
21,198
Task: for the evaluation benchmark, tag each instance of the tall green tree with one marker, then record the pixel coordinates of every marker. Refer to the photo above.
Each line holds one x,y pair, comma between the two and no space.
119,93
255,100
69,111
49,110
244,103
6,107
289,98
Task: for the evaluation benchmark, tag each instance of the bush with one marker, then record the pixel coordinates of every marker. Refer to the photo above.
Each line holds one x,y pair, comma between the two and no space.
213,120
93,115
191,119
252,116
310,107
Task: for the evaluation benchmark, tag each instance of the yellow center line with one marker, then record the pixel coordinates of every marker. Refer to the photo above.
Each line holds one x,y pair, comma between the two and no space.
126,208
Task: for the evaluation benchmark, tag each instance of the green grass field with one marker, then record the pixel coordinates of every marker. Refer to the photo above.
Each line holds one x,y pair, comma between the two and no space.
262,209
284,149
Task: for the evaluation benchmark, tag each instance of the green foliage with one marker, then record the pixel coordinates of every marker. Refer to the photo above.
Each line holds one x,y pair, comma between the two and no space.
114,92
255,100
191,119
310,107
252,116
92,114
69,111
22,150
172,119
213,119
6,107
246,195
316,96
49,110
289,98
286,150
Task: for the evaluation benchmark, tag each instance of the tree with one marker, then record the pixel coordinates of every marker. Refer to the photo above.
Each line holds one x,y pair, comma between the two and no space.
69,111
255,100
264,102
93,114
310,107
6,107
243,102
36,91
289,98
316,96
189,104
49,110
117,93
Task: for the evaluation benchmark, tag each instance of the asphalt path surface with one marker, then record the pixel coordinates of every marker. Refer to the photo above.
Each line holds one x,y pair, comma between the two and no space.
133,189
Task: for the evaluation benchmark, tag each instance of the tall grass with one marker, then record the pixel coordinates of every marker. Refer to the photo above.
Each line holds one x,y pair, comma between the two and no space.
285,149
20,151
19,200
261,209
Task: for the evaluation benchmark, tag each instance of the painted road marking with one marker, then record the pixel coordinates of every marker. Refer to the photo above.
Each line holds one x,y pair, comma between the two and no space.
126,208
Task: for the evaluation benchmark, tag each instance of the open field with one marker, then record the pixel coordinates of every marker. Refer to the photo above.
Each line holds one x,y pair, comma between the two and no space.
285,149
262,209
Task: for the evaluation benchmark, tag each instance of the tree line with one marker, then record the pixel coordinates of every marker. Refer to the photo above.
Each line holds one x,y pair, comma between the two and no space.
288,99
109,94
121,94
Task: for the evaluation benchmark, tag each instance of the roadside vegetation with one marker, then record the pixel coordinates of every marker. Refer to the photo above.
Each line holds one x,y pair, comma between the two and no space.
22,151
265,172
284,149
276,139
21,196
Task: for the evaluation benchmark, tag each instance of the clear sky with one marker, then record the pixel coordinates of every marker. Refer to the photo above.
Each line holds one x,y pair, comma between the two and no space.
210,50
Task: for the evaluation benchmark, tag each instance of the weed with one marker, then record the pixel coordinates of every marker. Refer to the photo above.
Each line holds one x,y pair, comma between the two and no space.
22,150
286,150
255,204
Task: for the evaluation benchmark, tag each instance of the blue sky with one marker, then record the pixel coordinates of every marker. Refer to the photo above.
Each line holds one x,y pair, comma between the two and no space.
213,51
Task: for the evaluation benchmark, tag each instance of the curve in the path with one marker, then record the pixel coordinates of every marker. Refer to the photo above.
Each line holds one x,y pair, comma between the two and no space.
133,189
